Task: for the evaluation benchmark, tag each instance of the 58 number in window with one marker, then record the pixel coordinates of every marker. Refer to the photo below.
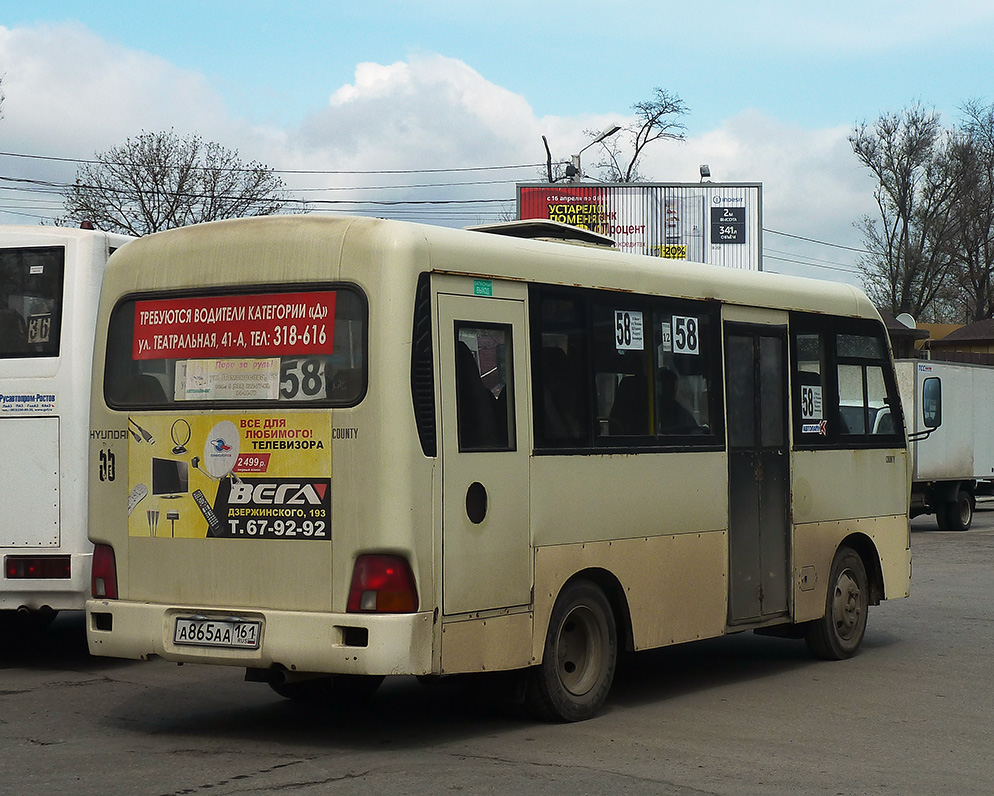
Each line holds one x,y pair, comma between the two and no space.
628,330
302,379
686,335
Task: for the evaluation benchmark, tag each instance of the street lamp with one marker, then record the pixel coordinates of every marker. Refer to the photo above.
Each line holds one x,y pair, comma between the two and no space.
573,169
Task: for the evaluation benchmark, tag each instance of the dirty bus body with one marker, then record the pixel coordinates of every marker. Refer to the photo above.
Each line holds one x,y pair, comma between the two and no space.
384,448
49,286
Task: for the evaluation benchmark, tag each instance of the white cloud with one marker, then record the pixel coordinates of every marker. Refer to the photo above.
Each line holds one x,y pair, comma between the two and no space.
68,90
429,112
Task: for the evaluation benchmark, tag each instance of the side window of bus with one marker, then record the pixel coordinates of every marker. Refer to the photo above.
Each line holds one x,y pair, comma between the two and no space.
810,387
863,400
30,301
560,384
484,388
683,372
844,390
612,370
622,343
652,369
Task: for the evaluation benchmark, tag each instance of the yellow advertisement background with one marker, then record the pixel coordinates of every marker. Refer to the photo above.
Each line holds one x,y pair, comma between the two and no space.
155,436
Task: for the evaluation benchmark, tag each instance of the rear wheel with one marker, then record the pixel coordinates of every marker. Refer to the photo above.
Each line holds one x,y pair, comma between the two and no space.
581,650
340,690
957,515
838,634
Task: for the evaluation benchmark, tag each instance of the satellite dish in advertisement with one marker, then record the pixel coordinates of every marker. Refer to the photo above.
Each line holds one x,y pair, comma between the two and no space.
221,449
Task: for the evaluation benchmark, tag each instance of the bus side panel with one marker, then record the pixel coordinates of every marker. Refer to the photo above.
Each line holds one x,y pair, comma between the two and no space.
29,472
831,489
815,545
491,644
675,586
617,496
839,484
663,536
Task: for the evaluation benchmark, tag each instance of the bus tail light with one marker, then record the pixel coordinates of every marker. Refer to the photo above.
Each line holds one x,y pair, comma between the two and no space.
43,567
382,584
103,580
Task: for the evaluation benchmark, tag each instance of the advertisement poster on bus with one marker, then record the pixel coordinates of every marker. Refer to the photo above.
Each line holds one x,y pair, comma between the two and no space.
717,223
254,325
239,476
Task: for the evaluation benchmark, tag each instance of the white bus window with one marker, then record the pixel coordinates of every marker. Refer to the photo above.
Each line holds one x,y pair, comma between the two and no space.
287,347
483,388
30,301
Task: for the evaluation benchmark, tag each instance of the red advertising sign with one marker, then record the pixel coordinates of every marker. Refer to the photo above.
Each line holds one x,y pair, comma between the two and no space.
581,207
257,325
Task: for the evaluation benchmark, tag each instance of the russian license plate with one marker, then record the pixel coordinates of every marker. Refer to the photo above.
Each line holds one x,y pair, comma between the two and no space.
217,632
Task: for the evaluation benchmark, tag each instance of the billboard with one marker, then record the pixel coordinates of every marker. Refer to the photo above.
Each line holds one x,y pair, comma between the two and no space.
710,222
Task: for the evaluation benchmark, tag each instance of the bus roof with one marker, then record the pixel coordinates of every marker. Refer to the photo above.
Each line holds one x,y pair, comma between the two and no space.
152,262
26,235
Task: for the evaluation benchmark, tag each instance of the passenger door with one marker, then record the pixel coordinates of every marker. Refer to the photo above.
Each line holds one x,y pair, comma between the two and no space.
758,472
486,550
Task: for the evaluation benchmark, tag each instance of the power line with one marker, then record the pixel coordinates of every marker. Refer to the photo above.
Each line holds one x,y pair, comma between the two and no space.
813,240
806,259
447,208
842,269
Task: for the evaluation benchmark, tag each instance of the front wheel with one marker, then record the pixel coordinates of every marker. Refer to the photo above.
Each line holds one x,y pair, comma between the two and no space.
581,650
838,634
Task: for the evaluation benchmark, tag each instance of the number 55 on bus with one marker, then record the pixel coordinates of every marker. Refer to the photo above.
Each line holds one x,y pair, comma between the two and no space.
353,448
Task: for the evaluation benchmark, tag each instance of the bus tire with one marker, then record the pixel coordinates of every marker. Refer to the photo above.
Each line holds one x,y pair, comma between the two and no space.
957,515
838,634
581,651
340,690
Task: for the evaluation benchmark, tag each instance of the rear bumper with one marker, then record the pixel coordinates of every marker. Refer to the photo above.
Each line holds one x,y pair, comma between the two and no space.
377,644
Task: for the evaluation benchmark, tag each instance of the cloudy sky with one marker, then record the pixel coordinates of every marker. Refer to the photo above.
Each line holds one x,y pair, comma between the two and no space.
373,107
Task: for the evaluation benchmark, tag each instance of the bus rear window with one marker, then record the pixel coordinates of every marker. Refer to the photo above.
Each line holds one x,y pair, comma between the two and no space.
30,301
300,347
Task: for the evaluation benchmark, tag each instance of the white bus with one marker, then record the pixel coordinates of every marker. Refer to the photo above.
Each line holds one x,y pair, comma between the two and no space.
350,448
49,287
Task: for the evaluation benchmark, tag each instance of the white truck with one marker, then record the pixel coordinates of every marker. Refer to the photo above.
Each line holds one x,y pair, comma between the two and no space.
949,412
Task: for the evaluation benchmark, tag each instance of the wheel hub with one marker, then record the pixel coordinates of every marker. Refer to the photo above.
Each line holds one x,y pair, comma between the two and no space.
579,650
846,610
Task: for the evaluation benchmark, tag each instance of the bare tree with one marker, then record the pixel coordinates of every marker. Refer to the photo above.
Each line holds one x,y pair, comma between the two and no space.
909,261
973,252
655,119
158,181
